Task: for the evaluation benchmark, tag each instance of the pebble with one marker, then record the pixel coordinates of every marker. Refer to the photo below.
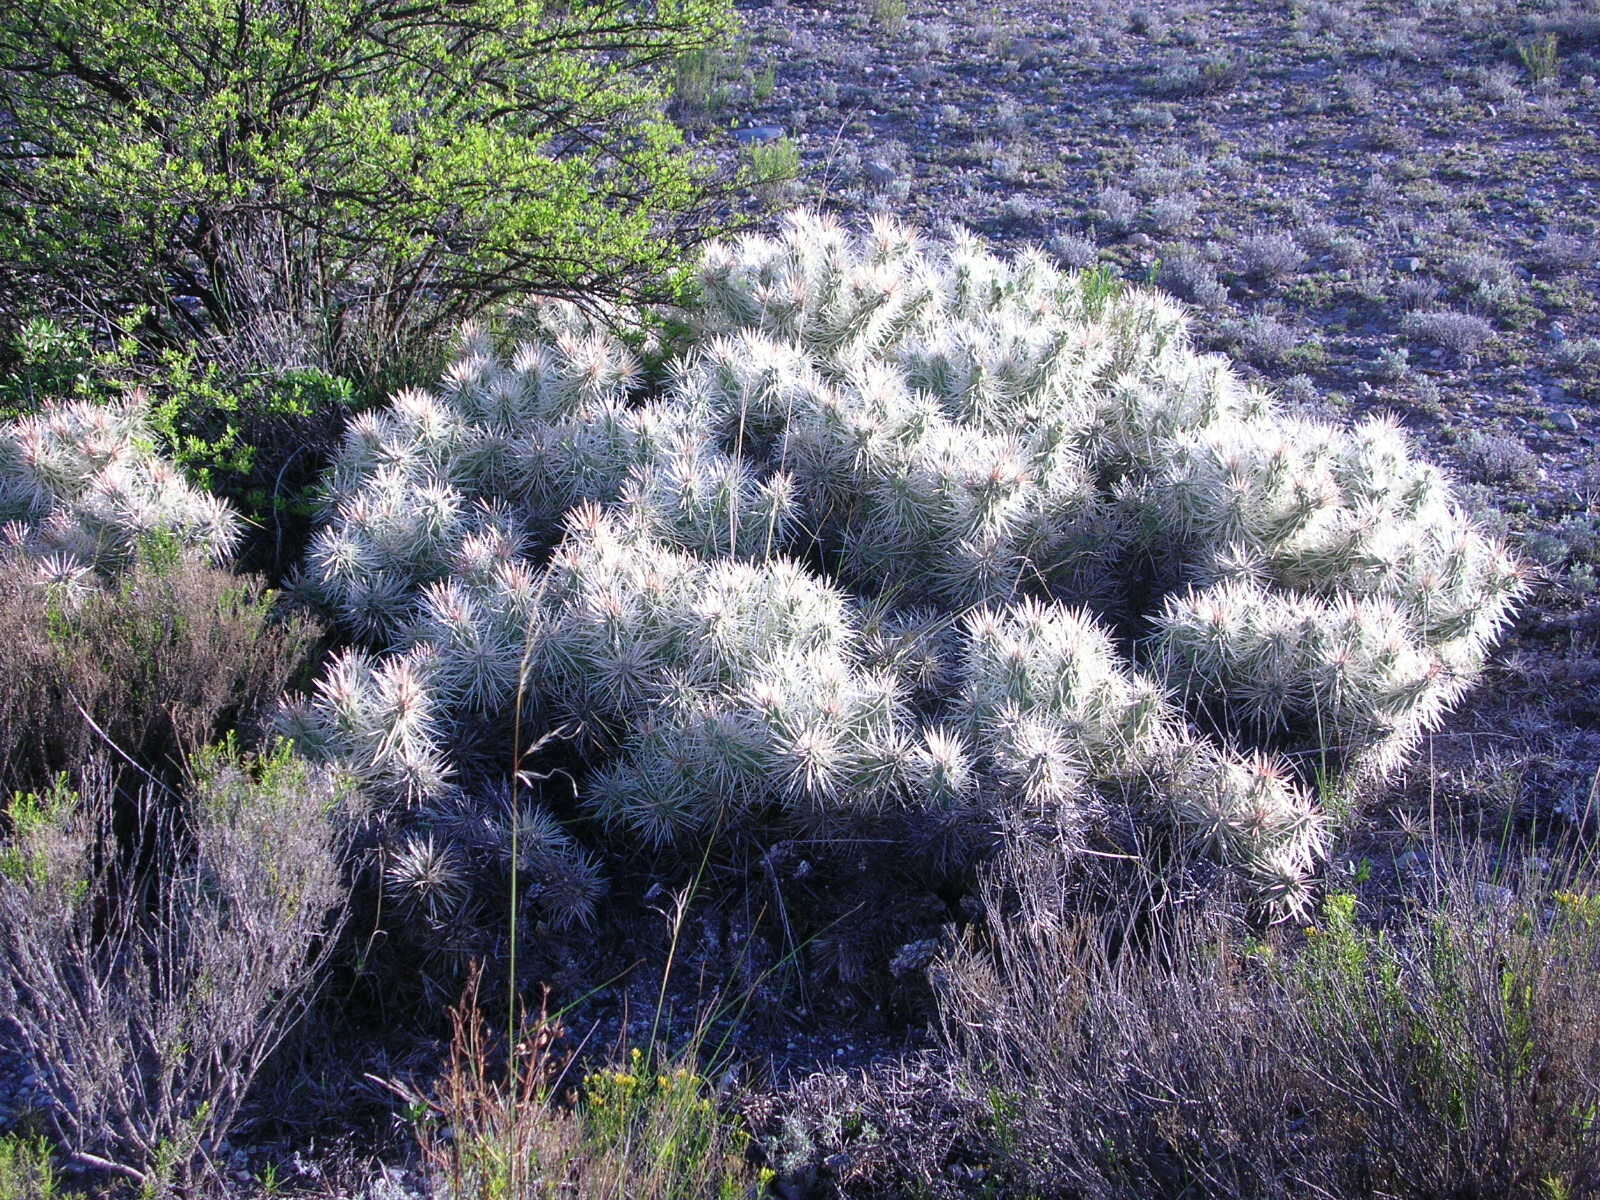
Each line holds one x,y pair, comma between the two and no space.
879,173
758,133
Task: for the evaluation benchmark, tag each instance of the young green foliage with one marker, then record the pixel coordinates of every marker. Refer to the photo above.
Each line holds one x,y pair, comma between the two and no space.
329,180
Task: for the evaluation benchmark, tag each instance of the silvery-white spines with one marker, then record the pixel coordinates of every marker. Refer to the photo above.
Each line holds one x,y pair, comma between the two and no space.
900,525
81,486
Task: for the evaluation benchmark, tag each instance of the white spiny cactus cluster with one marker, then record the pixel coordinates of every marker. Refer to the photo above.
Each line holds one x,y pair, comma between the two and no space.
1341,601
901,526
81,486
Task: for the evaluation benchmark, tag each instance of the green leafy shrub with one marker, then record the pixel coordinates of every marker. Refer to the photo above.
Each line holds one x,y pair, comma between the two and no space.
331,182
145,983
908,529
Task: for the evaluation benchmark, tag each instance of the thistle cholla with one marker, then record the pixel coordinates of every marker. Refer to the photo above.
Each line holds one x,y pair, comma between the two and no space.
81,486
888,533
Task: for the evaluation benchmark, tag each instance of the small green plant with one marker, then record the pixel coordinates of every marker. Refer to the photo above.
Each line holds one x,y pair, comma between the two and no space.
1336,948
50,361
648,1128
764,83
28,818
661,1116
27,1169
1101,286
703,81
271,1183
773,164
889,16
1541,57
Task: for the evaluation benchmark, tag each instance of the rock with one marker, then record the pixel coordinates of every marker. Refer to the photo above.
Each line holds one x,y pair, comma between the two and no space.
913,956
758,133
1414,862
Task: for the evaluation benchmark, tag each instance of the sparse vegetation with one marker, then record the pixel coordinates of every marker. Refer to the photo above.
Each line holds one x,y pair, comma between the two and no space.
1451,1052
1542,57
543,1126
889,16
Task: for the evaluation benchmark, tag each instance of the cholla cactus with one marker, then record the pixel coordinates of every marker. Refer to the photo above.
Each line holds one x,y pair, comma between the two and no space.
1346,603
81,487
902,526
437,869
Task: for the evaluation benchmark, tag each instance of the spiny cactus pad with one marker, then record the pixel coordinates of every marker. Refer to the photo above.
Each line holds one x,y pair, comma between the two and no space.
899,526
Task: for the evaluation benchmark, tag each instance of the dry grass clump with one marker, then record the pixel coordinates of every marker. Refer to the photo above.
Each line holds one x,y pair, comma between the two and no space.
1460,333
1269,257
1453,1053
147,668
1190,277
1499,458
533,1126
